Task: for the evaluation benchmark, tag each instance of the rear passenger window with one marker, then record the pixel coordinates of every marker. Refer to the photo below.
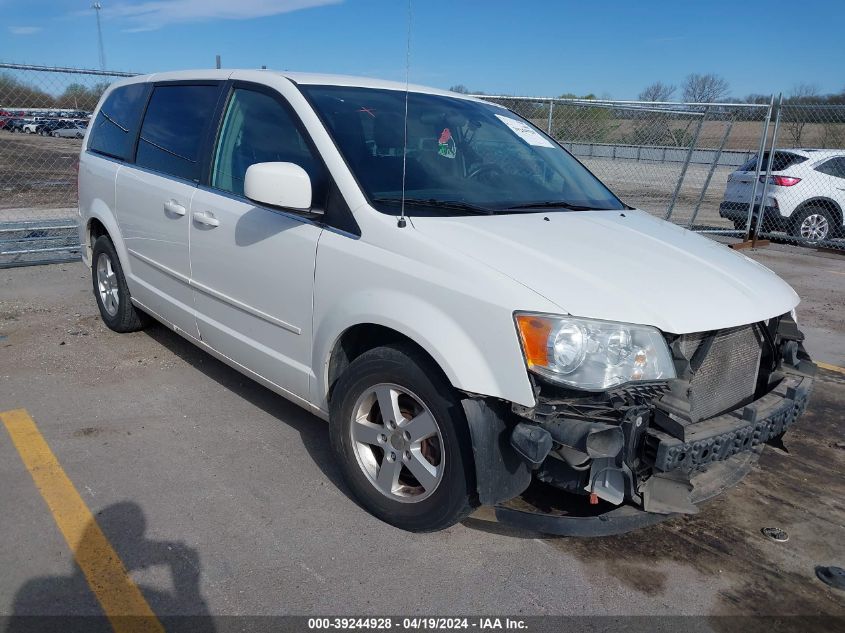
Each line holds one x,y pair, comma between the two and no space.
174,127
783,160
258,129
114,129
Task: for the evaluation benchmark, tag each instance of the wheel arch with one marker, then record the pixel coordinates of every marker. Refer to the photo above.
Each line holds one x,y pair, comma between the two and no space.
824,202
360,338
101,222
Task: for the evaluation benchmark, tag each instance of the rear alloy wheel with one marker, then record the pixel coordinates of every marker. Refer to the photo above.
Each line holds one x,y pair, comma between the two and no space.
398,429
813,225
111,291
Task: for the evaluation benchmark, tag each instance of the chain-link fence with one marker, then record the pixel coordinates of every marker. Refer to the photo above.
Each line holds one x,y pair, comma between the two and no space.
43,116
698,165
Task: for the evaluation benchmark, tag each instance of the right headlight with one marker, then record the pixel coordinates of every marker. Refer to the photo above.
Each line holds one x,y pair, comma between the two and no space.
591,354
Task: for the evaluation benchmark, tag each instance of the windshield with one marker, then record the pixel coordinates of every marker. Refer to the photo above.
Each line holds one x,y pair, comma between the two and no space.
463,152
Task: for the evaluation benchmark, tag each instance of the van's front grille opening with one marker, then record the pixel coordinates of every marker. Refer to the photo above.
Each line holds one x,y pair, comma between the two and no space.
726,377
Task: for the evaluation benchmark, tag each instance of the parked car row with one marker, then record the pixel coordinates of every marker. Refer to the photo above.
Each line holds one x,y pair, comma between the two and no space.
60,128
49,114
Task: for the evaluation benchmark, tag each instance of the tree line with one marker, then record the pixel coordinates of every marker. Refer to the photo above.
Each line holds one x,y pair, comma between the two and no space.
15,93
711,88
805,108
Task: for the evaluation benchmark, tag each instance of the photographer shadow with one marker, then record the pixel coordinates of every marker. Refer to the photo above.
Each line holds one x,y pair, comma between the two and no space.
69,603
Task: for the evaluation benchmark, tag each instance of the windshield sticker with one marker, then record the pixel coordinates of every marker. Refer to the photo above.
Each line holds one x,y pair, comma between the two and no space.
446,143
525,132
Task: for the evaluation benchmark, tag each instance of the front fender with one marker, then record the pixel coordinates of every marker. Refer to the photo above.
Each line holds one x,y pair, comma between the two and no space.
497,370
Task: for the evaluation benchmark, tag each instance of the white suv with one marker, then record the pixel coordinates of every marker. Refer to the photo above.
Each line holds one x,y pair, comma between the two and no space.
805,196
469,307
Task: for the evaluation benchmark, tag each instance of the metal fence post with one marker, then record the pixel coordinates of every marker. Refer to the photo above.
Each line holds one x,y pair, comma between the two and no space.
716,158
683,173
551,109
760,152
768,169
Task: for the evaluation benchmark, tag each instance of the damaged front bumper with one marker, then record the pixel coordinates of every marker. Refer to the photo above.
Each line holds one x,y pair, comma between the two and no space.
637,456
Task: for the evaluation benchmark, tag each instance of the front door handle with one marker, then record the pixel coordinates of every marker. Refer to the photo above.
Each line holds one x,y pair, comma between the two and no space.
174,208
205,218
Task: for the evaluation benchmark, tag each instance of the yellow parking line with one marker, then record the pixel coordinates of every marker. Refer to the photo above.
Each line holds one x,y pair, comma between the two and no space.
836,368
106,574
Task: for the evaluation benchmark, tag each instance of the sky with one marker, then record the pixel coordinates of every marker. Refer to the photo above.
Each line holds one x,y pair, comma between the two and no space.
526,47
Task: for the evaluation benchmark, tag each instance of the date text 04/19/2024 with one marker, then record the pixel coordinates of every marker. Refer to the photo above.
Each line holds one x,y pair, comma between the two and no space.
417,623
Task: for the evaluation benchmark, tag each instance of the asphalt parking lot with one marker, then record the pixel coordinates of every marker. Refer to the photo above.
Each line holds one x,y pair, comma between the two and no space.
221,498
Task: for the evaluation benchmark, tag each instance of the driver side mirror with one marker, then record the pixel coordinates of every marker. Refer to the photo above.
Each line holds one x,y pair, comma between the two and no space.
285,185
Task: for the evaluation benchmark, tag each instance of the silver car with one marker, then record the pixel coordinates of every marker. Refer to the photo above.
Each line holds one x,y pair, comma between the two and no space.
76,130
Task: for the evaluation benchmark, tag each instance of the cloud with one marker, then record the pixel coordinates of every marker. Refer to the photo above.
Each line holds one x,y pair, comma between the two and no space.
154,14
24,30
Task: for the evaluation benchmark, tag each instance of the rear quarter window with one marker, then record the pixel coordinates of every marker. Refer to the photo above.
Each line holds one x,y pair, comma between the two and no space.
782,160
114,130
174,129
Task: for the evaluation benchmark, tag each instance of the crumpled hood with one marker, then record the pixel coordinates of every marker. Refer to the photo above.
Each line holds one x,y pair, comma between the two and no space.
619,266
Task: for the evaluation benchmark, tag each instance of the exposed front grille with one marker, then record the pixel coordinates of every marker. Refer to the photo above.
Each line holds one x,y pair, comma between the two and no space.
727,376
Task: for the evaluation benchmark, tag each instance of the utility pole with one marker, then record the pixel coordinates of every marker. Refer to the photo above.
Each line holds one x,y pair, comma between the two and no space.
97,8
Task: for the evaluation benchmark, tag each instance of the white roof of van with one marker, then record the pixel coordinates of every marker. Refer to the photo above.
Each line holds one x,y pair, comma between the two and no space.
299,78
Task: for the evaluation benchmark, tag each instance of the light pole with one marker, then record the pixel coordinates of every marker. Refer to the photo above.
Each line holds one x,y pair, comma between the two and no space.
97,8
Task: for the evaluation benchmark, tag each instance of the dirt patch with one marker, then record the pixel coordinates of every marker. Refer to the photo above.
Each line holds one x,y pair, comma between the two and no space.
37,171
801,492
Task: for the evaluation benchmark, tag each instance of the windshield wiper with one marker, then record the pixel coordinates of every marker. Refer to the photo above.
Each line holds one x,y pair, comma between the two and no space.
563,204
453,205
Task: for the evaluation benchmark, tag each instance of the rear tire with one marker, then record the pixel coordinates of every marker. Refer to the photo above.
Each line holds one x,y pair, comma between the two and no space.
415,472
111,291
813,225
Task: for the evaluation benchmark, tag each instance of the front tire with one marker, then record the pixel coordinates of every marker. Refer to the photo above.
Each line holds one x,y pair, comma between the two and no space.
411,466
111,291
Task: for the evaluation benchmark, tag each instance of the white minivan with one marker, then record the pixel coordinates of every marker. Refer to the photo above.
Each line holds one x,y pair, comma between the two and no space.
481,321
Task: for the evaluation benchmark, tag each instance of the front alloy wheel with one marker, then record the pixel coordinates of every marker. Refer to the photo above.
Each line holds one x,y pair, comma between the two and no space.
397,443
400,435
